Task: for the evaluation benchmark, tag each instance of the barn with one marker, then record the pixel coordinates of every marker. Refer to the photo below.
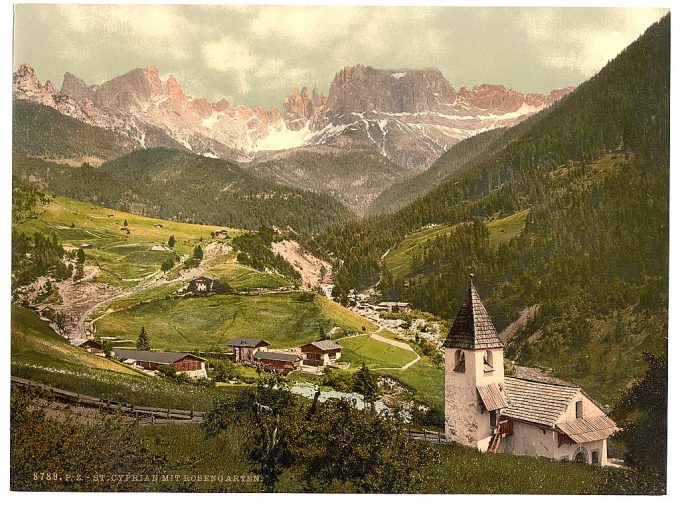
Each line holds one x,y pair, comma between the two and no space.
277,362
182,362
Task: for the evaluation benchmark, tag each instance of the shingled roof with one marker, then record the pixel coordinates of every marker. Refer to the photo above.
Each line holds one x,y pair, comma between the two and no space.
161,358
472,328
537,402
325,345
247,342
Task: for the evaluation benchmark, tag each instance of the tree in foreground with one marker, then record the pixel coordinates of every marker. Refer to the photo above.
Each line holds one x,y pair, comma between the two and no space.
143,343
333,444
642,417
366,384
57,448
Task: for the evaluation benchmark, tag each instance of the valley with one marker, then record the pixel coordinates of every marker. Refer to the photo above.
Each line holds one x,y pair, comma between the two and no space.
181,253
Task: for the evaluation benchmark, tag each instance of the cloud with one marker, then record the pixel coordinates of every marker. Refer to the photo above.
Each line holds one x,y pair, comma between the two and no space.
250,68
582,46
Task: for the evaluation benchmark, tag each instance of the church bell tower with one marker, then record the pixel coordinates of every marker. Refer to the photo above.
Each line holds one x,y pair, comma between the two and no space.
474,375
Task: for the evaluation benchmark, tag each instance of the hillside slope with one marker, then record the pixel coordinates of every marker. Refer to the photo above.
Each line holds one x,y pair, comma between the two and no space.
594,170
185,187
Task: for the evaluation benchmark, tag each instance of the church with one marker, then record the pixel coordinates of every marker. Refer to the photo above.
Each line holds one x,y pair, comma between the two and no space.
530,416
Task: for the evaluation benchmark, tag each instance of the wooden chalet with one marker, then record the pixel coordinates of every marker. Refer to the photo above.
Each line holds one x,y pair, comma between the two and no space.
277,362
243,349
182,362
321,353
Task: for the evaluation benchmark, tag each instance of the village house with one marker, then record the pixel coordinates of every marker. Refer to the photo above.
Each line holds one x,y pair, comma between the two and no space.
86,246
321,353
182,362
395,306
277,362
243,349
92,346
158,225
202,284
531,416
219,234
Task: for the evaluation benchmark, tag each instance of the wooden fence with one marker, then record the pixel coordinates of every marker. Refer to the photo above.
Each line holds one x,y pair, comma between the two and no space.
144,414
435,437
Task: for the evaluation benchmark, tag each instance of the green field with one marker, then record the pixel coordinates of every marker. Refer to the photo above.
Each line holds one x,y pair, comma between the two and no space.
125,259
238,276
39,354
502,230
424,379
376,354
398,260
204,323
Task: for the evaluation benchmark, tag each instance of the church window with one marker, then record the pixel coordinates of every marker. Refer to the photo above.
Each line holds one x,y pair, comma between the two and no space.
579,409
459,361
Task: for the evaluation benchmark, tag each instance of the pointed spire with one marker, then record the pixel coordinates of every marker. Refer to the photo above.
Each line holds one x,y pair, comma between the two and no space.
472,328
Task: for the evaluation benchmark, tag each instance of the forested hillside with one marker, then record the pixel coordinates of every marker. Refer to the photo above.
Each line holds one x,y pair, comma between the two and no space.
185,187
594,170
38,130
461,156
354,176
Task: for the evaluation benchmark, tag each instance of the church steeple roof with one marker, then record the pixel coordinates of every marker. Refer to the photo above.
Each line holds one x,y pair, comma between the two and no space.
473,328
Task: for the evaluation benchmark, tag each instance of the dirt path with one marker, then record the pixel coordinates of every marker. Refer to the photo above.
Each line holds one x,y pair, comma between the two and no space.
314,271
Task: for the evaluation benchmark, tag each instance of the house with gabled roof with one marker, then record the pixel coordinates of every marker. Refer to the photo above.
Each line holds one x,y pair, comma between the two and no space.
530,415
182,362
243,349
321,353
277,362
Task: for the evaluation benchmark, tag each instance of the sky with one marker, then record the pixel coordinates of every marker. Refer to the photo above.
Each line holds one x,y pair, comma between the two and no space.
256,55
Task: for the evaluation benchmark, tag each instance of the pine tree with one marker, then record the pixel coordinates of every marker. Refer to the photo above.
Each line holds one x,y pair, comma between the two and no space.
171,241
198,253
125,223
366,384
143,343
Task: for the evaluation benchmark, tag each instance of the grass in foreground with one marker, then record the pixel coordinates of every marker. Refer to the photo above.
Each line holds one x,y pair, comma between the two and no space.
458,469
39,354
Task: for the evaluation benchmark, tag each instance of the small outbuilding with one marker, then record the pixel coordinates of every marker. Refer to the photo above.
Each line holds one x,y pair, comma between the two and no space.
182,362
92,346
86,246
277,362
161,248
202,284
158,225
222,234
394,306
243,349
321,353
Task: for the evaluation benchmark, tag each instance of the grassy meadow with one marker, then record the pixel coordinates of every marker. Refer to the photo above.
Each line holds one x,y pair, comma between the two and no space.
204,323
125,259
376,354
39,354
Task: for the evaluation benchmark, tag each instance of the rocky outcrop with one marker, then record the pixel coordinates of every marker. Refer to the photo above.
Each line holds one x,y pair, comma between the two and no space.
408,116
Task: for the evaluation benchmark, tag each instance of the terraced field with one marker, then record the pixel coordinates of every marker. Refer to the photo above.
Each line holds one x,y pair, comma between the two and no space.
125,259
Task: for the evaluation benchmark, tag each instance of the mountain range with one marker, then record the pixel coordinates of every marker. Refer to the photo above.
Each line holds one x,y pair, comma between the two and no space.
409,117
